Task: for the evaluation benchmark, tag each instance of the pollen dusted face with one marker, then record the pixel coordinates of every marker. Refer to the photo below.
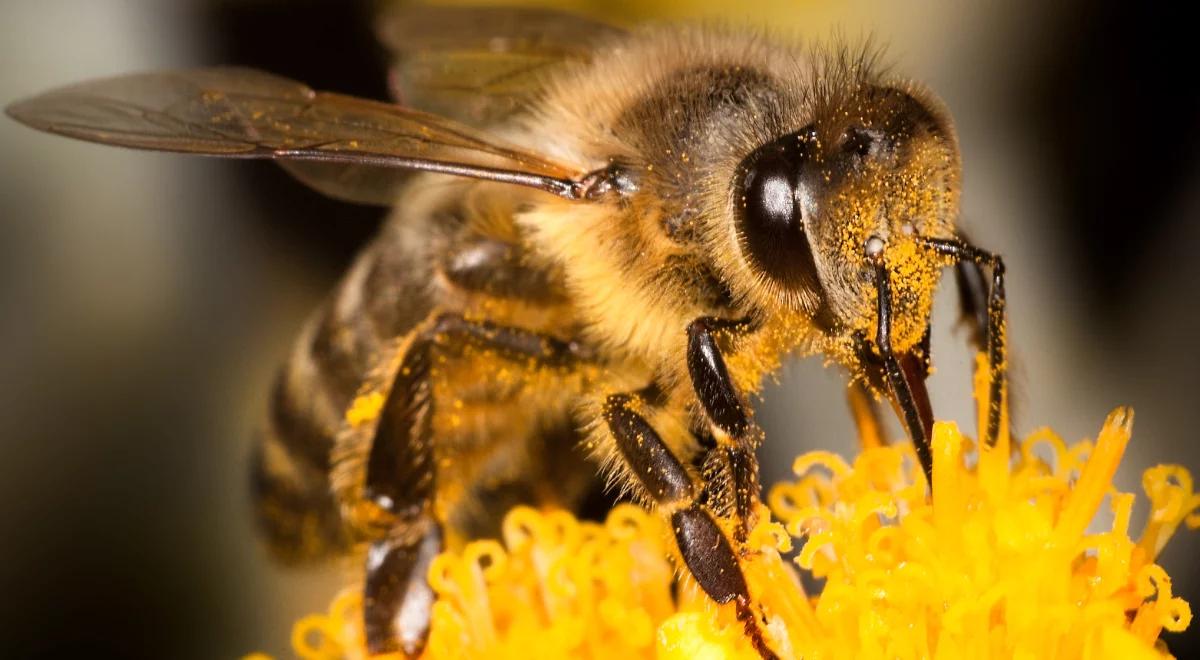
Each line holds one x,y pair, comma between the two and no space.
877,163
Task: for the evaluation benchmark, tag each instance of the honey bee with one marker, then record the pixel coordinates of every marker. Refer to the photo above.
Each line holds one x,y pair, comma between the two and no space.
601,243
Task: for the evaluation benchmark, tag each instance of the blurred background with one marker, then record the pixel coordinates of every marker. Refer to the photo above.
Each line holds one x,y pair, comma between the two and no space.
146,299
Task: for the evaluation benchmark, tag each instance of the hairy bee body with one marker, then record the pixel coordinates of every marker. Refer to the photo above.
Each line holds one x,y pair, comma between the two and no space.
623,281
719,201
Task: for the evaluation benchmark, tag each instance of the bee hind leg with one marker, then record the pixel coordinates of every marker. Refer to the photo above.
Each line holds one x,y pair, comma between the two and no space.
401,476
397,598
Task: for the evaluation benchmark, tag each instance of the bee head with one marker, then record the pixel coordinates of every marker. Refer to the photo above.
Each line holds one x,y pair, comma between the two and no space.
818,209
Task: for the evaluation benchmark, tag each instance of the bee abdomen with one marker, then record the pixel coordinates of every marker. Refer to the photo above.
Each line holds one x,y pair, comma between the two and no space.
298,513
295,510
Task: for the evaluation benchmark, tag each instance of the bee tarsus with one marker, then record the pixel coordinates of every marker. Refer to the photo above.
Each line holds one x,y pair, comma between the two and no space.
708,554
397,598
731,486
753,629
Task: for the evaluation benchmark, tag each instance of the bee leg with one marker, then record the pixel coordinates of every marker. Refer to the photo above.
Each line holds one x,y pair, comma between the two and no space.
731,486
996,347
401,472
916,367
994,337
705,550
710,377
397,598
723,405
400,468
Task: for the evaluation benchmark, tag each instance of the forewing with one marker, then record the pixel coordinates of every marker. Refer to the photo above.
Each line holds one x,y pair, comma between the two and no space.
481,64
360,184
329,138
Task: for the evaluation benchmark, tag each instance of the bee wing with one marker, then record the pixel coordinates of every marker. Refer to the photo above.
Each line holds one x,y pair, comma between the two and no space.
341,145
481,64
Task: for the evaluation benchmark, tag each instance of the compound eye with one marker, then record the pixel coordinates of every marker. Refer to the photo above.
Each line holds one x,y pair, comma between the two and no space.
771,197
770,220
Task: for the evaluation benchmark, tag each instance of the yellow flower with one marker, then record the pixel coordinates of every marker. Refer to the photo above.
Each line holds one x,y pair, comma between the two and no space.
1000,562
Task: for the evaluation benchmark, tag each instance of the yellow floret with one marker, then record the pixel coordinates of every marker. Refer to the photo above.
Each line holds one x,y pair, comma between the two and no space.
1001,562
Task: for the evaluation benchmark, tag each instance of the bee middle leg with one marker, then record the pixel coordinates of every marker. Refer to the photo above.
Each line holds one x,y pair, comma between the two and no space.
729,461
734,450
706,551
401,474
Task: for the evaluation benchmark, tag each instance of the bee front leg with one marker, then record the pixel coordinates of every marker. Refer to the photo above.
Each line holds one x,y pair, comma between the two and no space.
988,317
996,343
707,553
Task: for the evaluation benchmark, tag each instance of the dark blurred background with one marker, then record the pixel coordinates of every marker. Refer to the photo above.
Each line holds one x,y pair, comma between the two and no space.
147,299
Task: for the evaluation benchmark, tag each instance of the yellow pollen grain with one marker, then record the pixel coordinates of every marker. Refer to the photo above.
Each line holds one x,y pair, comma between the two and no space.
364,409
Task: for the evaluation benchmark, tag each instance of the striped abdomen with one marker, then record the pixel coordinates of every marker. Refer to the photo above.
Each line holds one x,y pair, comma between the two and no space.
379,299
